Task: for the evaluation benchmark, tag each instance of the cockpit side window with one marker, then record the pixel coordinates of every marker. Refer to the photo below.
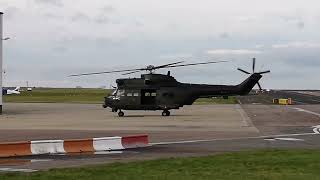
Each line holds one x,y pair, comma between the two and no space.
114,92
120,93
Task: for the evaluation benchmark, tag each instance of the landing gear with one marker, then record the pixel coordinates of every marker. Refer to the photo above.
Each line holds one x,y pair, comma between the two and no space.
166,113
120,114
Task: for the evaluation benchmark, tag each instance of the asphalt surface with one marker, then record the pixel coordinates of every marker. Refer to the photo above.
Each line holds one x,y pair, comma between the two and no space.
173,149
298,97
192,131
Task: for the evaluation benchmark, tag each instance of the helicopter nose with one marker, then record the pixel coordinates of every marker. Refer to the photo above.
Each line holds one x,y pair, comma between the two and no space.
107,102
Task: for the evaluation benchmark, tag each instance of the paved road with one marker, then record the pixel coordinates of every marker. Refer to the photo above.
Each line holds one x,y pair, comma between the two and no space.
222,131
173,149
298,97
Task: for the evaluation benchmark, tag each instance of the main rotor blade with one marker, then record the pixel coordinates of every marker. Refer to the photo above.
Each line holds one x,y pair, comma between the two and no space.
106,72
253,64
193,64
264,72
243,71
131,72
259,86
165,65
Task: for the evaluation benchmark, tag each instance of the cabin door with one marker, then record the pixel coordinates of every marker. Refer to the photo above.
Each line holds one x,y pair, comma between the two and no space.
148,96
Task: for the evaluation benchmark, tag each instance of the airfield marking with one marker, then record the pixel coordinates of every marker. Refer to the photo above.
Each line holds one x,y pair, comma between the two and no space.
306,111
40,160
315,100
17,170
283,139
241,138
244,117
316,129
299,102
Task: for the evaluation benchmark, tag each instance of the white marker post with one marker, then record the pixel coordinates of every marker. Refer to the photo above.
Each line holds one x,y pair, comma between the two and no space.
1,55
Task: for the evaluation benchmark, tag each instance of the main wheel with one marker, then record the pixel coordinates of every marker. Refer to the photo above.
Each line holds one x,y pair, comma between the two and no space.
120,114
166,113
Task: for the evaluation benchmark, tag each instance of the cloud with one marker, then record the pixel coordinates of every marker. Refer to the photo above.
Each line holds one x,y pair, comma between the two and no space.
259,46
101,19
224,35
11,12
297,44
53,16
233,51
295,20
88,36
80,17
108,8
57,3
176,56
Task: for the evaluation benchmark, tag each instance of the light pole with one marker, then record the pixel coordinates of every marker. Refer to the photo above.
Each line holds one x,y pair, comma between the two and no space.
1,55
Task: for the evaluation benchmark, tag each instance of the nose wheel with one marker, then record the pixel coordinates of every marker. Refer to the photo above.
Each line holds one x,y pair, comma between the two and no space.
120,114
166,113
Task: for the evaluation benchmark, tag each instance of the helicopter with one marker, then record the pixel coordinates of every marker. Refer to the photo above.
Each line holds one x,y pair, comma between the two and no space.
163,92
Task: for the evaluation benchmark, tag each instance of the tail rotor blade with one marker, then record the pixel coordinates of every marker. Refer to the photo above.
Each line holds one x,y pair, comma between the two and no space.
243,71
253,64
264,72
259,86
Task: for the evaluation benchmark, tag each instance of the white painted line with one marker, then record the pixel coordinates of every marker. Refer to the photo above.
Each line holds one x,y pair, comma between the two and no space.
17,170
246,120
316,129
107,152
306,111
299,102
40,160
239,101
229,139
244,116
289,139
315,100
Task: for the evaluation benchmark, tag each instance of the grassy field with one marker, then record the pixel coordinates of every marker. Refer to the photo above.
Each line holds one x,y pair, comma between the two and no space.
59,95
273,165
218,100
73,95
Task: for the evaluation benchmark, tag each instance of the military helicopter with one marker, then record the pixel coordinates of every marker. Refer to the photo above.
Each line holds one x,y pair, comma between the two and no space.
163,92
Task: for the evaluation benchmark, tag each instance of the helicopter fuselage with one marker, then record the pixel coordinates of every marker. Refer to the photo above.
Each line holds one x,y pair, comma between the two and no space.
164,92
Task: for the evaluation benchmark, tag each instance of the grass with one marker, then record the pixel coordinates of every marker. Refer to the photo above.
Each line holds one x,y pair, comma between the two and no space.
83,95
59,95
218,100
271,164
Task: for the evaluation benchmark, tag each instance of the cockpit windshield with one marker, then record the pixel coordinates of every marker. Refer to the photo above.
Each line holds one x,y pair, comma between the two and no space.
117,93
114,92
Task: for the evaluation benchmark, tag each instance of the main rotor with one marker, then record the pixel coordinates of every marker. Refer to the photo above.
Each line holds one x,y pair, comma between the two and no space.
150,68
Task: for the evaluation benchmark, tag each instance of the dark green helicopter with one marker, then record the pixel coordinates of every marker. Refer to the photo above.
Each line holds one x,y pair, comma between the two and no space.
163,92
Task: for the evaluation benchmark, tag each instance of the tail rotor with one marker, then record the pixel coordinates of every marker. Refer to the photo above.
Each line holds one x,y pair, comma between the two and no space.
253,71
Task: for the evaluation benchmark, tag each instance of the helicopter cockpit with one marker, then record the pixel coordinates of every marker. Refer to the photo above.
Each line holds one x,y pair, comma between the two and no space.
116,94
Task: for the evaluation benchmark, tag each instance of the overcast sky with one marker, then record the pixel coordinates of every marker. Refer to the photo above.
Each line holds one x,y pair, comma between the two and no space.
51,39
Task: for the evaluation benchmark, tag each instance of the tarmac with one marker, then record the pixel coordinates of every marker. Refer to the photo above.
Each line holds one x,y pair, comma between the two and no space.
196,130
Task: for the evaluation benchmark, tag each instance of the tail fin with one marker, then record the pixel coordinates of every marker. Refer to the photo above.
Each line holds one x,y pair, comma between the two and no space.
246,86
17,89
